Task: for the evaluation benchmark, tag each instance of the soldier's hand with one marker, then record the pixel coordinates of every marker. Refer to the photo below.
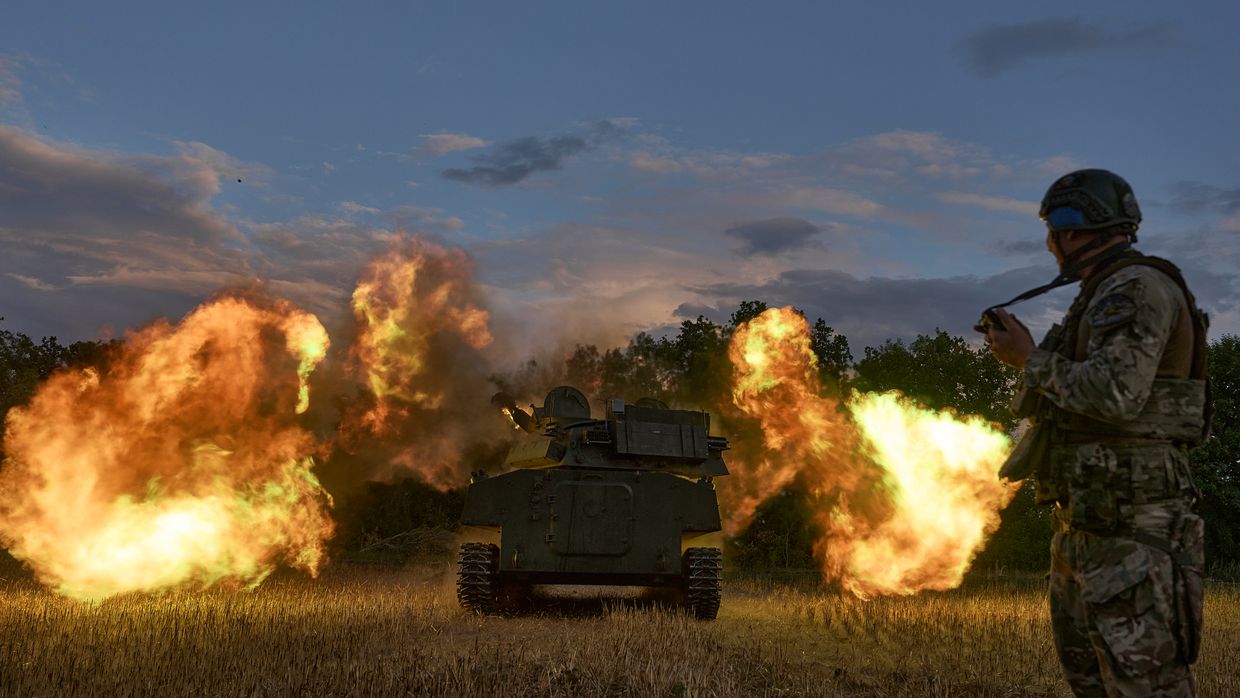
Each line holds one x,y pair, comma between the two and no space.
1010,343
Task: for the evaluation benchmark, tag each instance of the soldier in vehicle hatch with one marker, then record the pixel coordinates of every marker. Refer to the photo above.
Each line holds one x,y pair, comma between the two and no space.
1115,394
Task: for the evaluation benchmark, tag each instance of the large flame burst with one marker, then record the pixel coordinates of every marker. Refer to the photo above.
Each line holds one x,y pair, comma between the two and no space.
905,496
407,299
420,327
182,463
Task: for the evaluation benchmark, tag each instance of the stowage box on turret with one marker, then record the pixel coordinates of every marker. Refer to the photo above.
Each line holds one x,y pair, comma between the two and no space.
612,501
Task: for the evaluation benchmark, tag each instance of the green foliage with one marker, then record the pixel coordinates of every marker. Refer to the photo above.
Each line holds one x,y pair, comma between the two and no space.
834,357
644,368
1022,541
746,311
941,371
25,363
781,535
582,368
1216,463
699,356
691,368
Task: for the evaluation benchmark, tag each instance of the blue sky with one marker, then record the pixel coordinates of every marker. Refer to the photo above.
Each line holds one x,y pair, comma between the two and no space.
611,168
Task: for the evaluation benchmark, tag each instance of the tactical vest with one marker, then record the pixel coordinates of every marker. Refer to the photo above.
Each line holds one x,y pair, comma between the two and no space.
1179,406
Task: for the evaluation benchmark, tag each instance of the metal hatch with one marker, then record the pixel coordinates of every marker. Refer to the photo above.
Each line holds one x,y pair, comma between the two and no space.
591,518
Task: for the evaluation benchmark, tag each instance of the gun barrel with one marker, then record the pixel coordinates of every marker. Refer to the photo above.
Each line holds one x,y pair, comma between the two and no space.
520,417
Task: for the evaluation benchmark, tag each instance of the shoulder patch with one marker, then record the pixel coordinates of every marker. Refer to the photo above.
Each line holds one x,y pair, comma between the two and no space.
1112,311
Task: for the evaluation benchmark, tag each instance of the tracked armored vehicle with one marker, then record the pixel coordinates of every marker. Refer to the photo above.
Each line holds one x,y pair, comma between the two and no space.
625,500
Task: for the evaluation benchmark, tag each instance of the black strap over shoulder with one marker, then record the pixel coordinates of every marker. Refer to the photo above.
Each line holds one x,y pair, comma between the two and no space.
1070,275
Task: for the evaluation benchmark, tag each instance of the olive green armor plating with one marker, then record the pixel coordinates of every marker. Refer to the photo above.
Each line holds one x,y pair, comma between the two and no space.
623,500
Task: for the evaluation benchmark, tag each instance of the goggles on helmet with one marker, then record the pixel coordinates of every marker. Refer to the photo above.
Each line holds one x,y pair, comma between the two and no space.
1066,218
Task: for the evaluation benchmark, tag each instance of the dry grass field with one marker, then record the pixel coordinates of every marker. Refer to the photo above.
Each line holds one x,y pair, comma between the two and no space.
370,631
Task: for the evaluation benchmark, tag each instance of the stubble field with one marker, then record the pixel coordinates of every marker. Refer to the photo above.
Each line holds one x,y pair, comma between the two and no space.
374,631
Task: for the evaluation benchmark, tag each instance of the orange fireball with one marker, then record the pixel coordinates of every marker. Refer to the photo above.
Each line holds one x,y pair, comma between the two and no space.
409,298
905,495
182,463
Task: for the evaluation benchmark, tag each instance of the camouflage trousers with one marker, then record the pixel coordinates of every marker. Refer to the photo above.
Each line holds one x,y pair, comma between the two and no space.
1118,607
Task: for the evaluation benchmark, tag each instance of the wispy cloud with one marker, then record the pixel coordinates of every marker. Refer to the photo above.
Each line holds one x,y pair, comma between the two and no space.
11,65
56,191
446,142
353,208
1019,247
644,161
223,165
904,156
817,198
990,203
32,282
1000,48
97,237
1199,197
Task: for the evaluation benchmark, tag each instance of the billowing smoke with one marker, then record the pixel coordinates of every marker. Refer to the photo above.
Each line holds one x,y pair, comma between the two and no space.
417,377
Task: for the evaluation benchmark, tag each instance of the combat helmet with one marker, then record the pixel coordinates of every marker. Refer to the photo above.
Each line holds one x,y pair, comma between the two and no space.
1091,200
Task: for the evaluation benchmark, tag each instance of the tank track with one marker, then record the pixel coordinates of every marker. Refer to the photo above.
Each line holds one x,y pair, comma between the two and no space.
476,585
703,581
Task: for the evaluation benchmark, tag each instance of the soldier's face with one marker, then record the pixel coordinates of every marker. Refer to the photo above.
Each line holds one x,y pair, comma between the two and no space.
1055,247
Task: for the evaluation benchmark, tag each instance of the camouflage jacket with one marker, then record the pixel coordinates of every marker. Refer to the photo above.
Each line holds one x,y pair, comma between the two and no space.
1134,329
1117,378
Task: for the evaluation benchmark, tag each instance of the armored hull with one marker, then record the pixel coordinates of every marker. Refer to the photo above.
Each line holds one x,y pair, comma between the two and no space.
623,500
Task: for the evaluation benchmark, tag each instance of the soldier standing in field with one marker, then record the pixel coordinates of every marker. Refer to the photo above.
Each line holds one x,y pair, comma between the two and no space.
1115,394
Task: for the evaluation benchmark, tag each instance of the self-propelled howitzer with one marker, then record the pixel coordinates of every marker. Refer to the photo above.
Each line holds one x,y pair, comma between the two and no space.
623,500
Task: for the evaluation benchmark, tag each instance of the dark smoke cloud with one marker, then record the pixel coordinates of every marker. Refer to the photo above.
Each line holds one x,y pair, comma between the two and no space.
432,419
513,161
773,235
1000,48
